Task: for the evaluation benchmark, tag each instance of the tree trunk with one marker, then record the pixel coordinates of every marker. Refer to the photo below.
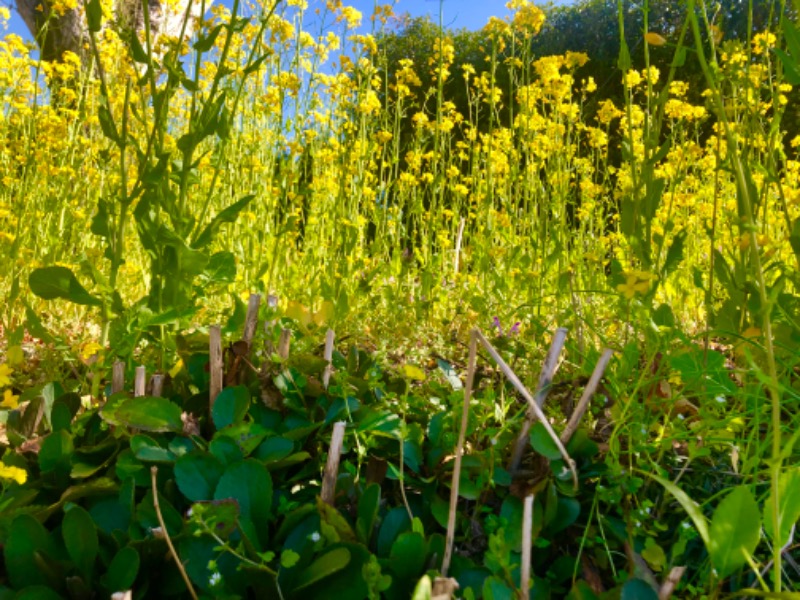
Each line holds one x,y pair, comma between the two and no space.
57,33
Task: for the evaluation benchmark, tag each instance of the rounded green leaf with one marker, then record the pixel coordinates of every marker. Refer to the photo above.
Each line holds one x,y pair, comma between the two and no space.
734,532
197,475
80,539
249,483
543,443
26,539
636,589
122,571
407,557
150,414
230,406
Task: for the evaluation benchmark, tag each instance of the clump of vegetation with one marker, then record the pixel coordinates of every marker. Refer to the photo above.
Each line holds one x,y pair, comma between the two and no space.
402,187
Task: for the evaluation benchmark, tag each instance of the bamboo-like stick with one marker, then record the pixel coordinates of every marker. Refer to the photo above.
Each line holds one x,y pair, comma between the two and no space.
459,238
284,343
537,411
139,382
251,320
214,363
330,336
332,466
157,384
118,377
588,392
549,369
527,541
462,433
670,583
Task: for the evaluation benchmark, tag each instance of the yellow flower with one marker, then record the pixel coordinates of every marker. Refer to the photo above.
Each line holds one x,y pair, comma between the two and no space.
413,372
5,371
636,282
13,474
10,401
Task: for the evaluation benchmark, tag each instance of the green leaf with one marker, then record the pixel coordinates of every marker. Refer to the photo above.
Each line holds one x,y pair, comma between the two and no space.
205,42
581,591
59,282
407,557
27,539
221,269
794,237
674,254
249,483
543,443
94,15
123,569
423,589
326,565
636,589
274,449
149,414
788,506
107,123
289,558
689,505
734,531
450,374
230,406
147,449
80,538
56,452
197,475
368,507
228,215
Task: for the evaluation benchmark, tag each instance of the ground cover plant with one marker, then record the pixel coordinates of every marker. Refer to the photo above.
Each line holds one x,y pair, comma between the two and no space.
150,186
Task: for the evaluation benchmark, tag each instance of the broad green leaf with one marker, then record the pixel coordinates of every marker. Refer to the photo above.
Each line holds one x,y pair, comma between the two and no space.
249,483
27,539
56,452
59,282
230,406
543,443
407,557
123,570
147,449
789,506
274,449
80,538
734,531
221,268
150,414
393,524
637,589
197,475
326,565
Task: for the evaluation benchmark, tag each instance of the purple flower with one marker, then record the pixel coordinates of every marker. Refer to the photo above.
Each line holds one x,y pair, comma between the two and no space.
496,324
514,329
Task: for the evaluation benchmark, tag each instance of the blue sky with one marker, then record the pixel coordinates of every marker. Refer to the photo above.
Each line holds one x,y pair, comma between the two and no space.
469,14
